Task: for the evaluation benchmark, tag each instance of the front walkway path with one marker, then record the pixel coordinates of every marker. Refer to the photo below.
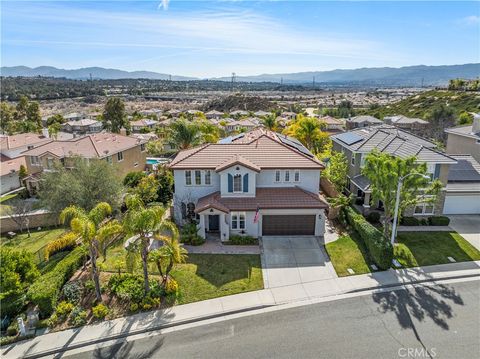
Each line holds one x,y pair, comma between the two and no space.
229,305
468,226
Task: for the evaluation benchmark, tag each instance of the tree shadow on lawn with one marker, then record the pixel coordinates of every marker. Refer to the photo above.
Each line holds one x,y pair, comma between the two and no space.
420,302
429,248
221,269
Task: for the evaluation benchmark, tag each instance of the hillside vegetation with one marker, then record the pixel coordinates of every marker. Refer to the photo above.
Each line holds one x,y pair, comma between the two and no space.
420,105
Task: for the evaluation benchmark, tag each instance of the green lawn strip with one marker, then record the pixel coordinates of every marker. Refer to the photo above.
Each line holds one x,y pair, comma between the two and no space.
348,252
8,197
429,248
37,240
205,276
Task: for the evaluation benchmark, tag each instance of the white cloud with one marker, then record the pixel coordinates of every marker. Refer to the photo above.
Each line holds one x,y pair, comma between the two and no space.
164,4
470,20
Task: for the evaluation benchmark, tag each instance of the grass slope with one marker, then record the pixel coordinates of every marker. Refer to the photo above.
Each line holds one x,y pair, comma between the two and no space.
420,105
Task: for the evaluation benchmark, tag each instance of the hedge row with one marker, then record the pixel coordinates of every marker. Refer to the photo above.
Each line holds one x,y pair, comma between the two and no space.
46,289
379,248
430,221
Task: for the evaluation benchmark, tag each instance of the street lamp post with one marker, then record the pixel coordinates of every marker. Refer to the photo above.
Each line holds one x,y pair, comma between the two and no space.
397,202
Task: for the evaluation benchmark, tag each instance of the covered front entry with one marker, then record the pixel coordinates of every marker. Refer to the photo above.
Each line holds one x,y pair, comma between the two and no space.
288,225
214,223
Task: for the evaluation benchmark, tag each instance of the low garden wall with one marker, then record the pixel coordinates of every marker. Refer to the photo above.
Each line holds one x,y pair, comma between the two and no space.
328,188
36,219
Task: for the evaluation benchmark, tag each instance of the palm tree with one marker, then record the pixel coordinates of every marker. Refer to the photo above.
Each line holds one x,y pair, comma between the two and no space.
95,230
185,134
270,122
145,222
172,252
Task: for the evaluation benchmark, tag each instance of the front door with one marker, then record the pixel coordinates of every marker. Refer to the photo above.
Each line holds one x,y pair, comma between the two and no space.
213,222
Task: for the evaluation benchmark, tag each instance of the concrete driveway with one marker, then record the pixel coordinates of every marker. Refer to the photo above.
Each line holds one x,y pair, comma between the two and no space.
468,226
289,260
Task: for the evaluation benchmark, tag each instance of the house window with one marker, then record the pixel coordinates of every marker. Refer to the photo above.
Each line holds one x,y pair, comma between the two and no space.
296,177
277,176
287,176
188,178
426,208
208,177
120,156
50,162
238,220
198,177
353,159
108,159
34,161
142,147
191,211
237,183
183,210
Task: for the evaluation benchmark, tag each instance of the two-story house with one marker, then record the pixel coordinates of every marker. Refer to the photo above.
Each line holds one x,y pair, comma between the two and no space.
465,139
362,121
125,153
410,124
358,143
84,126
257,183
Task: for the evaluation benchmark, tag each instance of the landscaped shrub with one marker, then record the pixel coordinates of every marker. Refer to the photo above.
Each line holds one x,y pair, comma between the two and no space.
12,329
237,239
100,311
438,221
171,286
72,291
423,221
45,291
65,242
410,221
63,309
379,247
127,287
373,217
189,235
78,316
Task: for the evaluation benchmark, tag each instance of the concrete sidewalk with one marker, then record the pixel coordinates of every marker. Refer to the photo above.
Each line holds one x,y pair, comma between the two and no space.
51,343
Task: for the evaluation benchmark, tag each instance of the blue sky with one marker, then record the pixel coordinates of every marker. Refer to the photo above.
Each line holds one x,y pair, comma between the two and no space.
216,38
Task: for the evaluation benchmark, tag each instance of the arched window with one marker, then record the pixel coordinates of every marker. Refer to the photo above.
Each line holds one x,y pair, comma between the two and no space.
191,211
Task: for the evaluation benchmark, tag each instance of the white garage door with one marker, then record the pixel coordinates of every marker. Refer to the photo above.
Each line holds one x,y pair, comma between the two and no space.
462,204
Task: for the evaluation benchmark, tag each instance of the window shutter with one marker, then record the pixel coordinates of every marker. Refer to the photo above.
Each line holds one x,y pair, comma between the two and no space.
245,183
437,171
230,183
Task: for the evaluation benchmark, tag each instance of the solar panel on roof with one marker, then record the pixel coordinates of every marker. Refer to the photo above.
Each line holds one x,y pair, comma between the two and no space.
293,142
349,138
463,171
230,139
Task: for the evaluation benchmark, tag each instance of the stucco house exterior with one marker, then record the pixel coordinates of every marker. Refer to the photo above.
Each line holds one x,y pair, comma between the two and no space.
358,143
257,183
465,139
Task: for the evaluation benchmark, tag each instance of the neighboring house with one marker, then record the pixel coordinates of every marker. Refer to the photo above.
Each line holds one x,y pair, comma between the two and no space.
213,115
333,124
153,112
9,170
262,113
415,125
84,126
174,113
257,183
289,115
143,124
362,121
358,143
239,113
13,146
463,187
245,124
126,153
74,116
465,139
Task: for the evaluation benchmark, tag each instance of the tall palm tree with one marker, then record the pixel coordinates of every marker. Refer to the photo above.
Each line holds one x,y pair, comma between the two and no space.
146,222
270,122
95,230
184,134
171,253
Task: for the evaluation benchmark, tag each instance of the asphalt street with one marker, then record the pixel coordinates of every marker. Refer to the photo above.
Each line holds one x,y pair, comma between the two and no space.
423,322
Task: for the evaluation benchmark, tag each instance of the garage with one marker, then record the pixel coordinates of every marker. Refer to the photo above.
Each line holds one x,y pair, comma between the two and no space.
288,225
462,204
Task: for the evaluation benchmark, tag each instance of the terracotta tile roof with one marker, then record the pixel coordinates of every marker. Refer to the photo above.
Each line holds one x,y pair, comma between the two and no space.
262,148
11,165
91,146
22,140
266,198
237,160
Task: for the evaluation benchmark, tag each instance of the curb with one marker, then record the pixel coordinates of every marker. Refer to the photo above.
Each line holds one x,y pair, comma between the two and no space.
141,331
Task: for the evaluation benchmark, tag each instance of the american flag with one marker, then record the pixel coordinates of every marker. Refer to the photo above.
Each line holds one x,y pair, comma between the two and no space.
257,214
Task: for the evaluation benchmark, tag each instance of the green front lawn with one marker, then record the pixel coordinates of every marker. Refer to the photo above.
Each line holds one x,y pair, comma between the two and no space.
37,240
348,252
427,248
414,249
204,276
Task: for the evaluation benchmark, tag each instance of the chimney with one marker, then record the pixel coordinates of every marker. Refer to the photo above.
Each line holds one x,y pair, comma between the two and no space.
45,132
123,131
476,123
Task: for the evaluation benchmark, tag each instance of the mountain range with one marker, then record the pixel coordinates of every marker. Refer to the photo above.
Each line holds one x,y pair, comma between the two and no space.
387,76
